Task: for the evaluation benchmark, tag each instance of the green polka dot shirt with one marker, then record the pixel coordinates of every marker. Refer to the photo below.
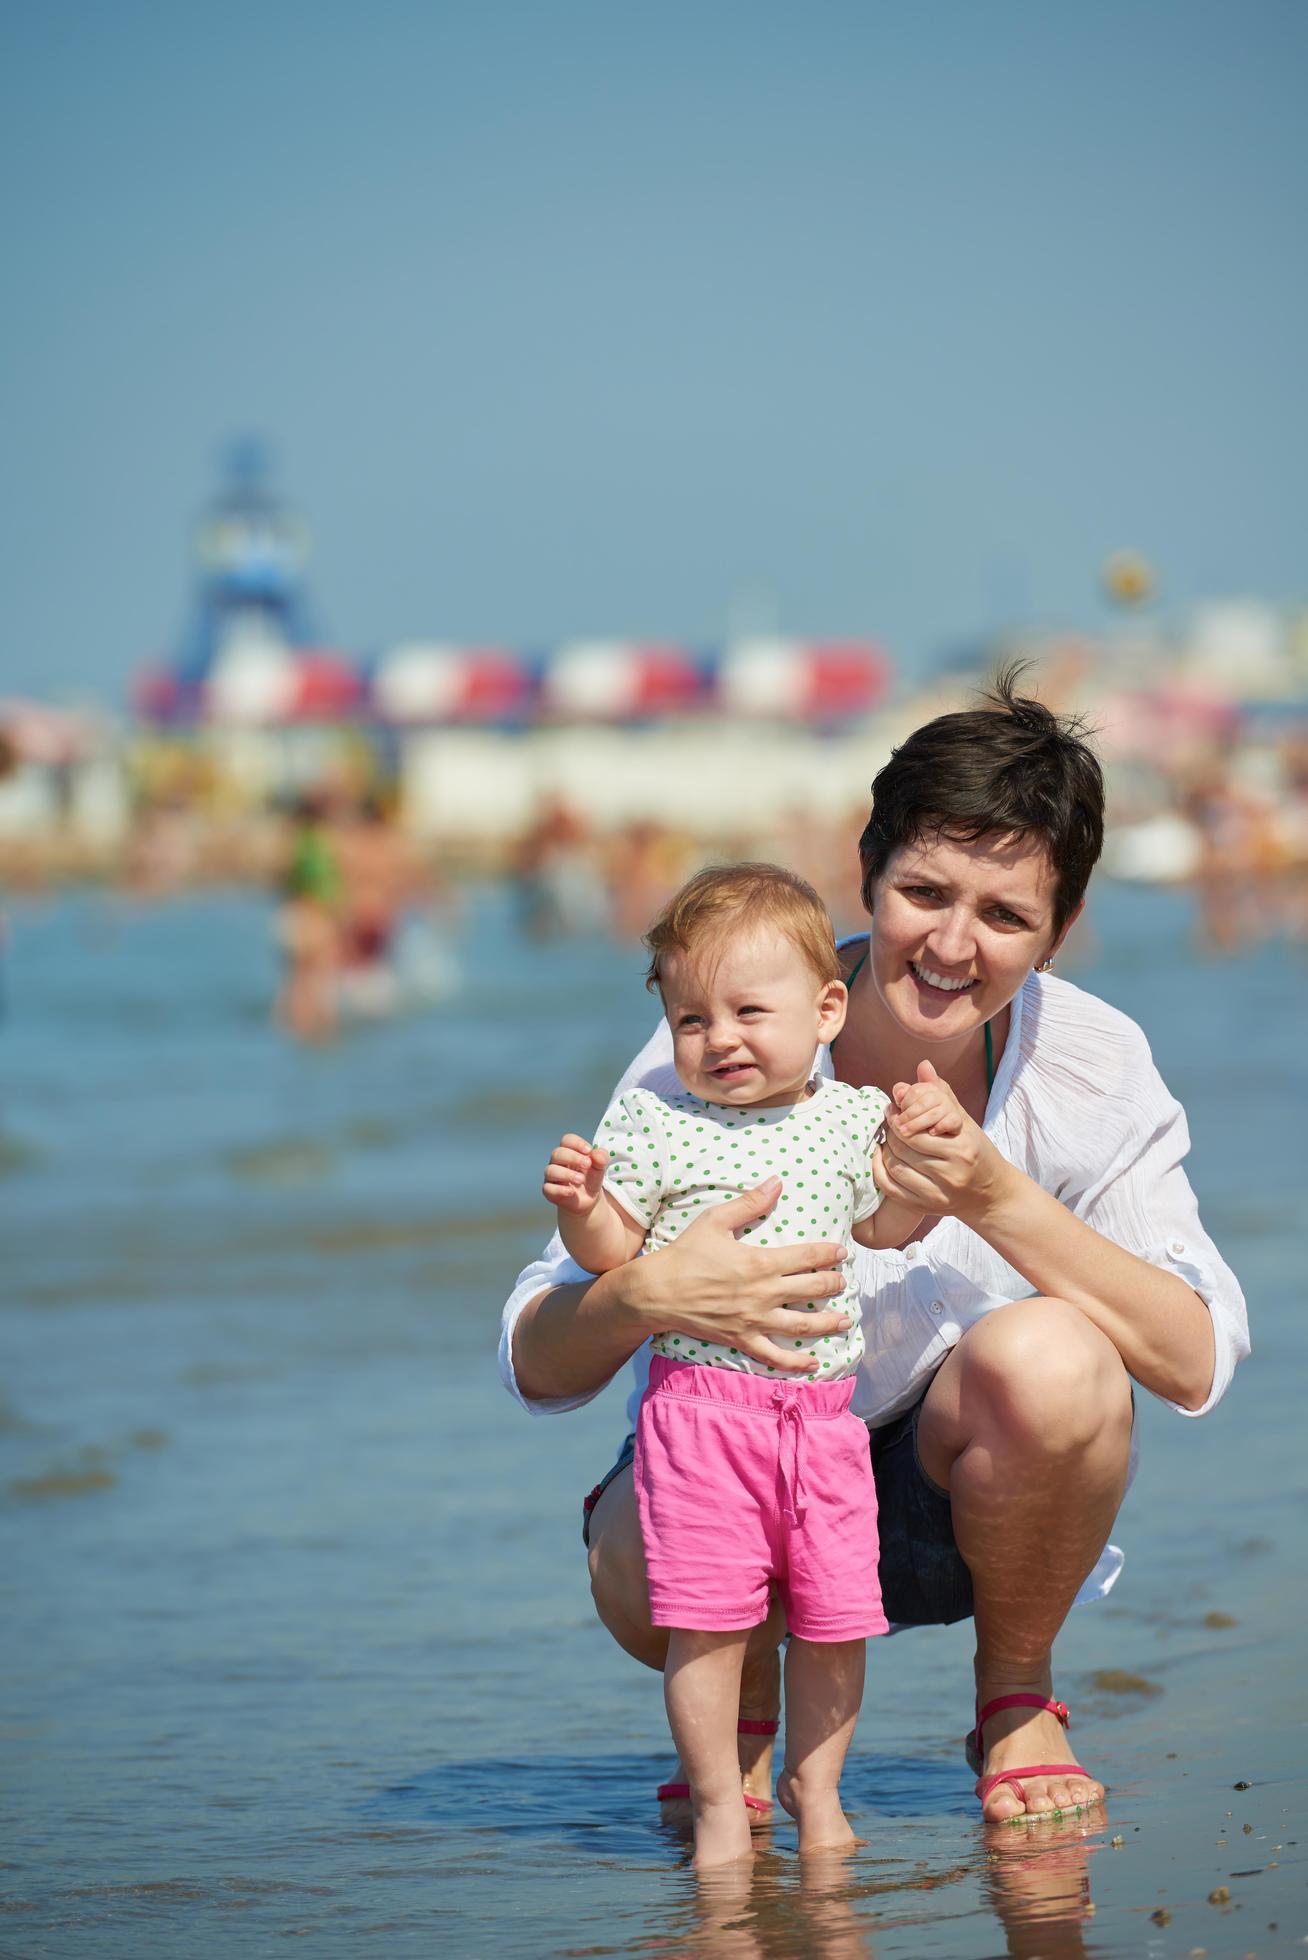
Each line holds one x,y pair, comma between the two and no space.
671,1157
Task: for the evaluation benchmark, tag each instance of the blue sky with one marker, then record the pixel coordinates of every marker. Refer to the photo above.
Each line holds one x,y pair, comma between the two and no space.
574,318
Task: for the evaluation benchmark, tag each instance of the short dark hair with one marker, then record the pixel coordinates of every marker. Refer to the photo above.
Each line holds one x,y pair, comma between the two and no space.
1010,767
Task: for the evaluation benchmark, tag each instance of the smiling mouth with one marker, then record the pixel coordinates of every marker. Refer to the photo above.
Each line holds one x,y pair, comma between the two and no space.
939,983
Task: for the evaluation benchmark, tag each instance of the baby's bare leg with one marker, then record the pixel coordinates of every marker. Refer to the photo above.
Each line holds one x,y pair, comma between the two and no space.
824,1689
701,1686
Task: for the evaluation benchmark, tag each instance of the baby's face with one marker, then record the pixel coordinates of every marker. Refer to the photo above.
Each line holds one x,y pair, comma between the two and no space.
747,1017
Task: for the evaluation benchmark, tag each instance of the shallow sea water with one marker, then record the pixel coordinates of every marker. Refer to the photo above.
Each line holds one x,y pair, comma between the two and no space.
298,1640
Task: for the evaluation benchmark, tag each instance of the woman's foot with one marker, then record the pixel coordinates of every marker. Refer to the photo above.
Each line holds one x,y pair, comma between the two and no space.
823,1825
754,1745
1015,1736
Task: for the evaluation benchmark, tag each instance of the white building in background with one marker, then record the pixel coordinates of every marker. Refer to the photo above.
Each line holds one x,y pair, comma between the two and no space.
621,731
1245,645
710,776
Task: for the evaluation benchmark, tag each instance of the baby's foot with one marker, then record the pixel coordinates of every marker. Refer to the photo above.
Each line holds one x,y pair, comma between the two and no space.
721,1835
823,1825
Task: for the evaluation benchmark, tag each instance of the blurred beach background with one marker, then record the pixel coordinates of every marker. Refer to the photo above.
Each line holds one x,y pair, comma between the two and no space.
465,468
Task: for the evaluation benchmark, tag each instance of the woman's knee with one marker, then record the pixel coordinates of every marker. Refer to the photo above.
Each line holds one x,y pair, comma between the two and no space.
618,1582
1042,1373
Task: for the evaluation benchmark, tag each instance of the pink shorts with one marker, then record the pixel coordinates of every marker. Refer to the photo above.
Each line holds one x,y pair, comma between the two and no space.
745,1482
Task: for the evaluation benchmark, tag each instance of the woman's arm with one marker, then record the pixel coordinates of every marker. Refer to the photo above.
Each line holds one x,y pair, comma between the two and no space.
570,1340
1158,1323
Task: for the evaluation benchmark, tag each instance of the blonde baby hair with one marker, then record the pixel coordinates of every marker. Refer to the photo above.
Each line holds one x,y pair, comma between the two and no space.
724,900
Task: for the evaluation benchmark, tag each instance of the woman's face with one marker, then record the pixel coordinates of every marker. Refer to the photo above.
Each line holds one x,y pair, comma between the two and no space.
956,928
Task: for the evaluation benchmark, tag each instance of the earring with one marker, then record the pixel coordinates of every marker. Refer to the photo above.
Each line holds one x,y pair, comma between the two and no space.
1045,965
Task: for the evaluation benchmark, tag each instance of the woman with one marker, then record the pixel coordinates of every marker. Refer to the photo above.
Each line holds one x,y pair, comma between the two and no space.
1067,1263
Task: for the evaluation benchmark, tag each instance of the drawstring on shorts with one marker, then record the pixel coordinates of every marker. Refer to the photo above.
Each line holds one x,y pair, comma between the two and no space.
786,1402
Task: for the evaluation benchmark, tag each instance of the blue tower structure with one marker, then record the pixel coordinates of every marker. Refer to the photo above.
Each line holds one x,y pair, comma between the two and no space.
250,552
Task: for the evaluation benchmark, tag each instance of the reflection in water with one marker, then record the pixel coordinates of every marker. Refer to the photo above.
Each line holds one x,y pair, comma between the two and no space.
769,1911
1038,1881
835,1905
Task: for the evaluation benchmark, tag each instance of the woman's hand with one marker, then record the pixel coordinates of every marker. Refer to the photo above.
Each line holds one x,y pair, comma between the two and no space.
934,1156
710,1284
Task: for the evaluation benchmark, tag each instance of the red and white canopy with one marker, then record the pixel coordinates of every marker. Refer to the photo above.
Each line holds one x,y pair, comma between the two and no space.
438,682
266,684
801,680
258,682
619,680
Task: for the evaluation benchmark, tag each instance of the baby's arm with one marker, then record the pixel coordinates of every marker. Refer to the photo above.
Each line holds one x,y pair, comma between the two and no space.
923,1108
891,1223
596,1230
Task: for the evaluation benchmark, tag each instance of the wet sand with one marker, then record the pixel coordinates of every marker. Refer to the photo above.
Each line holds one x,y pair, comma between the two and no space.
299,1640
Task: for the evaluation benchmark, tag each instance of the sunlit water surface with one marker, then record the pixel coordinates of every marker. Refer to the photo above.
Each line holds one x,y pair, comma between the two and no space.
298,1639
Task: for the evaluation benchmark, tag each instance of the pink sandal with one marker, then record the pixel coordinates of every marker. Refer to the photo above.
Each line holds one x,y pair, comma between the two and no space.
976,1757
669,1792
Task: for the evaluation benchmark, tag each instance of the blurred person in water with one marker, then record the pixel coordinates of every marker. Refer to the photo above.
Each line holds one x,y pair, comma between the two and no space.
380,879
555,869
349,881
1067,1261
646,863
308,925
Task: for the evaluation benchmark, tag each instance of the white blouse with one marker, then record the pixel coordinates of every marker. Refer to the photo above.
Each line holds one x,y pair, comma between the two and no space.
1079,1106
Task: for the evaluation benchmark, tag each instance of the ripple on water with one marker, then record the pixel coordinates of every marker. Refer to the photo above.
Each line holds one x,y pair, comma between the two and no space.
372,1234
60,1483
284,1161
576,1797
17,1156
92,1471
1117,1682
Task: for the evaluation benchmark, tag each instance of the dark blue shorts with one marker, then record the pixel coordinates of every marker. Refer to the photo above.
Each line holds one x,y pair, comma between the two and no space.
924,1581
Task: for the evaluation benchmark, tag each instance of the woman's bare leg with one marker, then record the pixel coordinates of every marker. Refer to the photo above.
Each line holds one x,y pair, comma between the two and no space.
621,1593
824,1691
701,1687
1027,1425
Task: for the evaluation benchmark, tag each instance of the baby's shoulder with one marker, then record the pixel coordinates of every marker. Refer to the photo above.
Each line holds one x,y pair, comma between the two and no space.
636,1108
848,1107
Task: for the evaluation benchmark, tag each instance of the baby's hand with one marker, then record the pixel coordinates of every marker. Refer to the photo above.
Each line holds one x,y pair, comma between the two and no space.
927,1106
574,1176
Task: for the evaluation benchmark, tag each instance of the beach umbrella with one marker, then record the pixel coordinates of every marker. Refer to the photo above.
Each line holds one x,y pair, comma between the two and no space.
326,687
802,680
441,682
251,684
620,680
497,684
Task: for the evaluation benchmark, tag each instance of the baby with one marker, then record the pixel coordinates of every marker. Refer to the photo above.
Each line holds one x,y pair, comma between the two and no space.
749,1477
